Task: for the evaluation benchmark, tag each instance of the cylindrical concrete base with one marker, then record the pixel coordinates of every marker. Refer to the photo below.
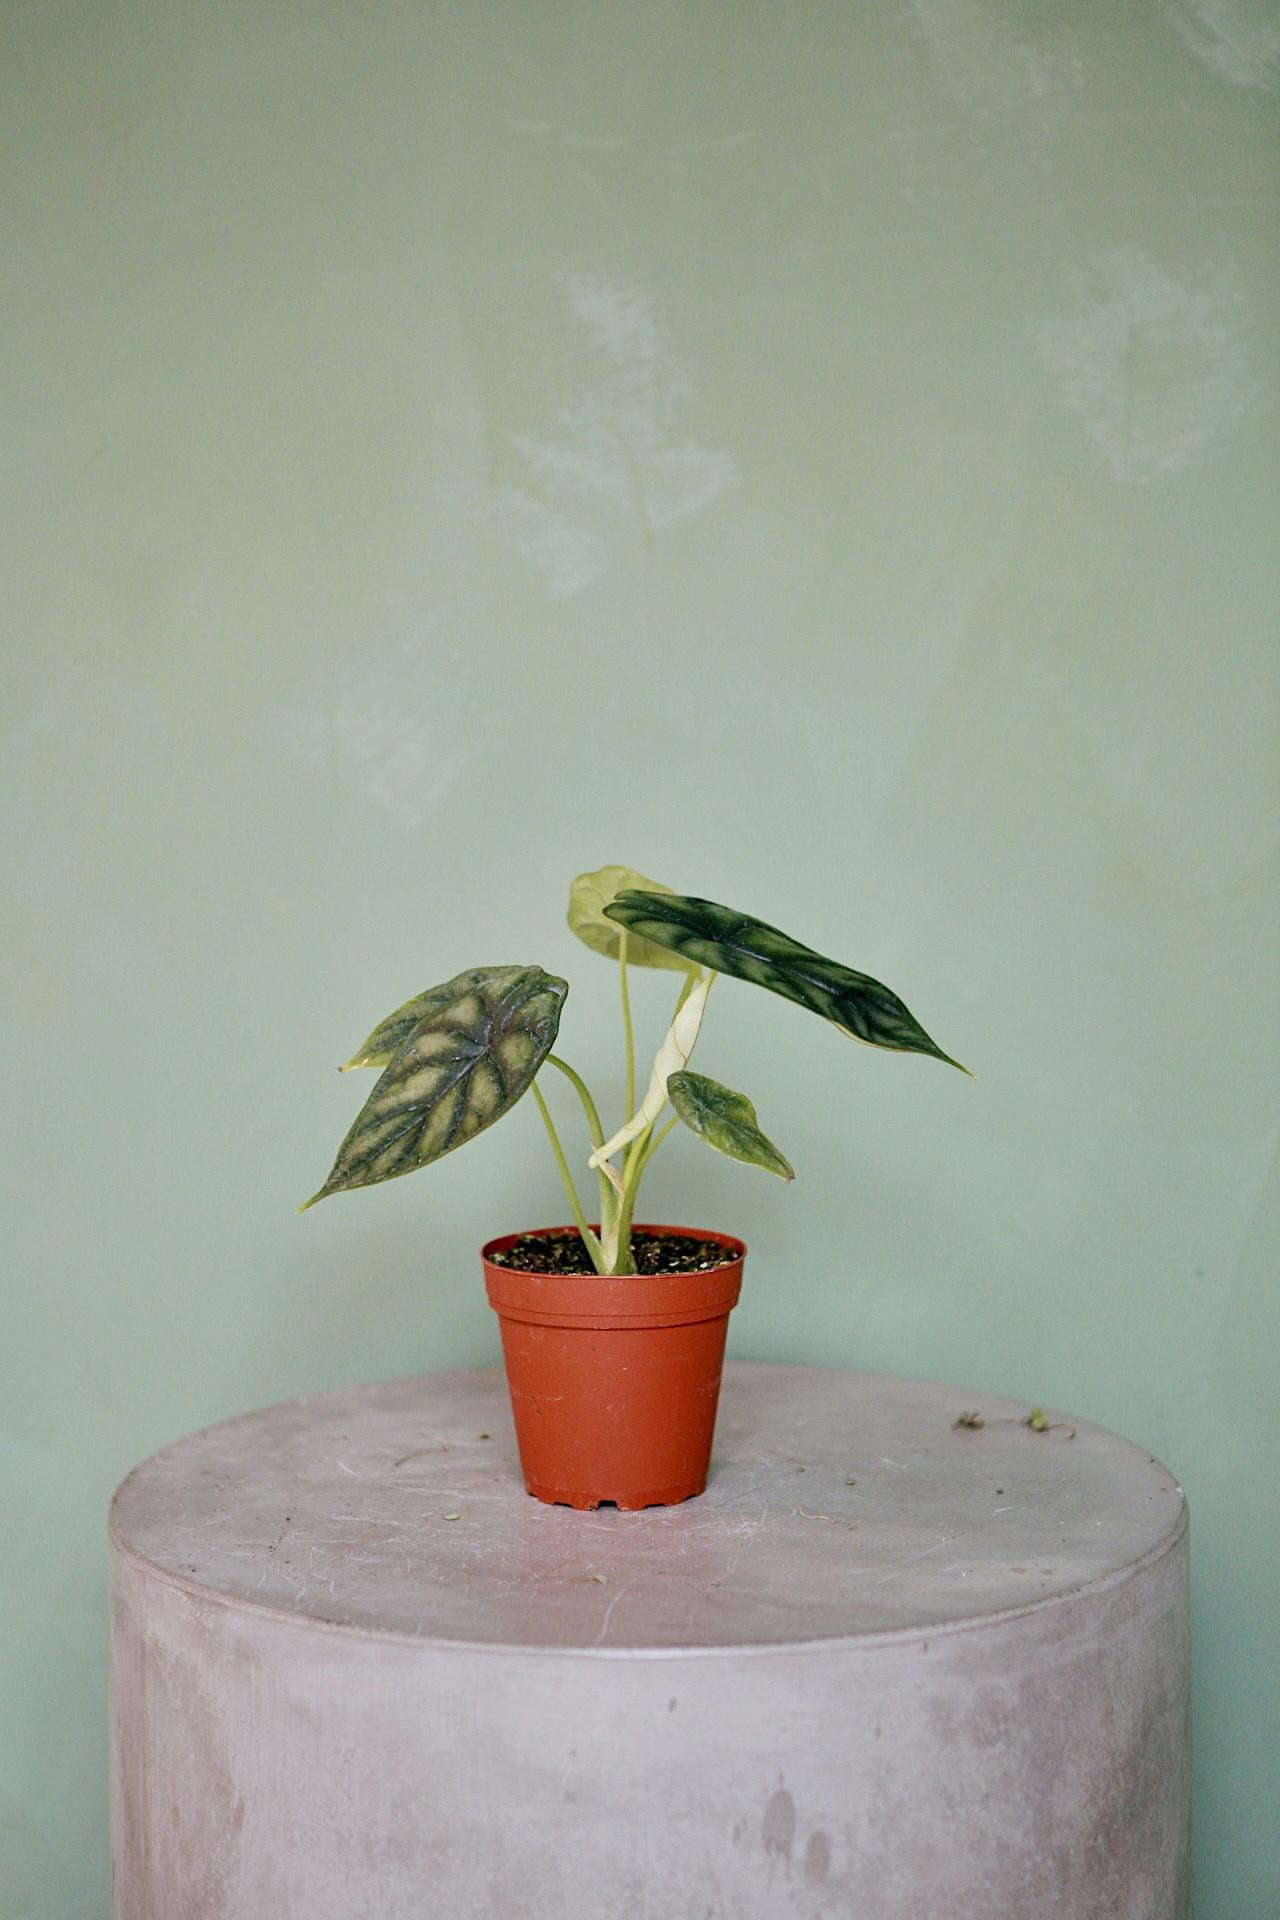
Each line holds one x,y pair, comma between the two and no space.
883,1668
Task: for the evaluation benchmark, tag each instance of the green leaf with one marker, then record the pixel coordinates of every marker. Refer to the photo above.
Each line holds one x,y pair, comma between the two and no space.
390,1034
725,1120
729,942
461,1068
589,898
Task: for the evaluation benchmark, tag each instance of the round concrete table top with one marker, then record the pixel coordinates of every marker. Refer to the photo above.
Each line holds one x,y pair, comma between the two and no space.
839,1505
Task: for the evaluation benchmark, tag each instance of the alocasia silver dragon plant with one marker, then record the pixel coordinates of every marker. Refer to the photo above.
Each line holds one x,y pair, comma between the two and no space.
459,1056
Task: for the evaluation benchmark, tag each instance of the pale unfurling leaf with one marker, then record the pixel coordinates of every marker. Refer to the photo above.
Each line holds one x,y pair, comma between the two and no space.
725,1120
670,1058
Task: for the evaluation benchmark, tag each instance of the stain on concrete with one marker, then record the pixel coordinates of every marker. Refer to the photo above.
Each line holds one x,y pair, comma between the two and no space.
817,1858
779,1830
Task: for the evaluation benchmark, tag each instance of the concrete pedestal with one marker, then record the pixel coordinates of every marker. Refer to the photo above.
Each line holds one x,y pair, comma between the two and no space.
882,1668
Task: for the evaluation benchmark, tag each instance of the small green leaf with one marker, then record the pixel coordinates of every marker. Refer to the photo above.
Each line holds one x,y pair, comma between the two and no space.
729,942
461,1068
387,1038
590,895
725,1120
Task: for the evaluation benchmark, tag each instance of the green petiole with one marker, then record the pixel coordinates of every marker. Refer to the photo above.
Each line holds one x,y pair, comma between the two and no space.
589,1240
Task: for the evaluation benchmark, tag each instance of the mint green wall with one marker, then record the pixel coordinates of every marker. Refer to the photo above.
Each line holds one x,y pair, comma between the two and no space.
824,456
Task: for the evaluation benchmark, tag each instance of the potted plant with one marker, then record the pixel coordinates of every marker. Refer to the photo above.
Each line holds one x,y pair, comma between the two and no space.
613,1333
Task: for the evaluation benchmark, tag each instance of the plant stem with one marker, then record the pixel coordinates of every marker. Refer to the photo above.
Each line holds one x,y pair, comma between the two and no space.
632,1153
588,1104
649,1143
589,1239
609,1199
642,1149
655,1143
626,1024
690,981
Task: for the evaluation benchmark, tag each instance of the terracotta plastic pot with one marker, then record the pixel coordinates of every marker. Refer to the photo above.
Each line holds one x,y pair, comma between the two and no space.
614,1379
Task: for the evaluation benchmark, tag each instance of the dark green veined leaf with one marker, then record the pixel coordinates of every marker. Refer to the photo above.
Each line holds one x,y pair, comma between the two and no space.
589,896
735,943
725,1120
390,1034
462,1068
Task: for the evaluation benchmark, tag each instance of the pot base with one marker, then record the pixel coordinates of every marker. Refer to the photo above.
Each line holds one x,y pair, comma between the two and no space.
631,1503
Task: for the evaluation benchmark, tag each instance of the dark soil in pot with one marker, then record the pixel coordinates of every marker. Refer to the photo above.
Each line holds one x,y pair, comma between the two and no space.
561,1251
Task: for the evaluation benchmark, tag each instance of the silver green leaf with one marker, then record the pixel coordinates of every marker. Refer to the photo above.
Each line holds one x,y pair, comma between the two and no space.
725,1120
461,1068
589,898
387,1038
736,943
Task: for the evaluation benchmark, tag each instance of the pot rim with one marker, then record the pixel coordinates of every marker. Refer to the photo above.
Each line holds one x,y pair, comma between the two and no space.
616,1300
735,1251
